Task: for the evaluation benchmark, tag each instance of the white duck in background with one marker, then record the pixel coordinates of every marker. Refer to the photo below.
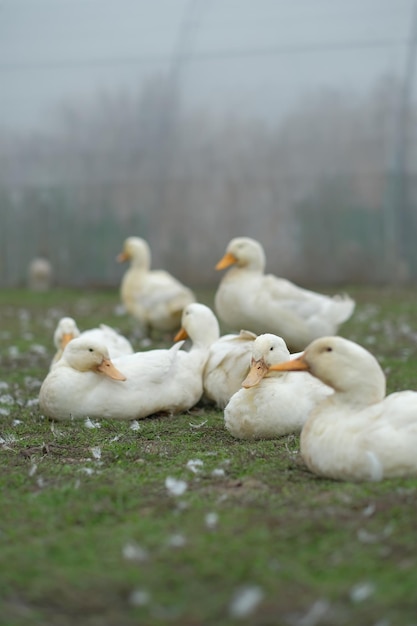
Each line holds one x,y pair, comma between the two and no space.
227,364
67,330
249,298
357,433
154,297
270,404
142,384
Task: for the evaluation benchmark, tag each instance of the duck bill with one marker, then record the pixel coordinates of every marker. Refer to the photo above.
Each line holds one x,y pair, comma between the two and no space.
295,365
226,261
107,368
181,334
258,370
66,338
122,257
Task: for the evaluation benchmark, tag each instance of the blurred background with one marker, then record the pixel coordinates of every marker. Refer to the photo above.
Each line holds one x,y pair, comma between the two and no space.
189,122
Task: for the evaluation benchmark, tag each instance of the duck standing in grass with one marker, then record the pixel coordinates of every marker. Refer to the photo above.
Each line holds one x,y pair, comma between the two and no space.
67,330
357,433
153,297
249,298
271,404
86,383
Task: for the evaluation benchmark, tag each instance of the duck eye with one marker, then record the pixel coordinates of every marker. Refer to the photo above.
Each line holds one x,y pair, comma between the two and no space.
271,348
90,350
329,349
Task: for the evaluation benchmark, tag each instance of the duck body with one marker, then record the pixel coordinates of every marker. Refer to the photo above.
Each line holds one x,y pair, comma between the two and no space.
154,297
249,298
357,433
367,445
153,382
270,405
227,366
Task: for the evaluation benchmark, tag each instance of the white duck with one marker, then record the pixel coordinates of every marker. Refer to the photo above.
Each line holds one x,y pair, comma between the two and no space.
249,298
227,364
154,297
271,404
357,433
78,386
67,330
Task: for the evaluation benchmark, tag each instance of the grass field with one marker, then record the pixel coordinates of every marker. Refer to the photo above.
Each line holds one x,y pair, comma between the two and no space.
91,535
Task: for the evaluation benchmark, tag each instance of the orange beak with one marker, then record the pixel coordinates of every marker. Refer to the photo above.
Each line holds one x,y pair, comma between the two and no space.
296,365
226,261
258,369
107,368
122,257
66,338
181,334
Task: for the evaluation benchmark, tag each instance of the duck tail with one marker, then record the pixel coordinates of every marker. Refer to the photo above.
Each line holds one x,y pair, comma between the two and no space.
344,308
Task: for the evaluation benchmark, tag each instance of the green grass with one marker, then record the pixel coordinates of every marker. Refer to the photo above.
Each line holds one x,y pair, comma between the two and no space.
81,537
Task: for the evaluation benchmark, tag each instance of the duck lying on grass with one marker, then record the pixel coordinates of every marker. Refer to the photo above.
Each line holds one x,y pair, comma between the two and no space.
271,404
153,297
67,330
357,433
227,363
248,298
86,383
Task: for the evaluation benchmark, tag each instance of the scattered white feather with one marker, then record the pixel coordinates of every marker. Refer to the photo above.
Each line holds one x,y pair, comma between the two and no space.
133,552
32,469
13,352
116,438
7,439
139,597
195,465
3,385
32,402
90,424
16,422
38,349
362,591
211,520
218,472
315,613
56,431
32,383
200,425
96,452
23,315
4,412
175,487
87,470
6,399
369,510
245,601
366,537
176,541
134,425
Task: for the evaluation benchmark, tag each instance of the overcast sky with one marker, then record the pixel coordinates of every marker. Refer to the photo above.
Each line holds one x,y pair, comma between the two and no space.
257,56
